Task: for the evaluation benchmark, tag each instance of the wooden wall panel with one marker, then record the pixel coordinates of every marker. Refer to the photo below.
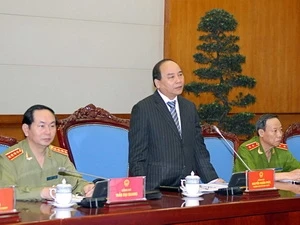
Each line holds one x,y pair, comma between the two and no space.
10,125
269,34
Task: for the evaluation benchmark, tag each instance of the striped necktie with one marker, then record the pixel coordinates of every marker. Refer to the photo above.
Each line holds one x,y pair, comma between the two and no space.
174,114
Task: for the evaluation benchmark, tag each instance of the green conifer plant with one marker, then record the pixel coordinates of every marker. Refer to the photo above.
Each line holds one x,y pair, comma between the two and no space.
219,72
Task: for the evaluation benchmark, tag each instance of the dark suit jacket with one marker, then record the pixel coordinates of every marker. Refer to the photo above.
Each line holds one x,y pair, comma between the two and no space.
156,149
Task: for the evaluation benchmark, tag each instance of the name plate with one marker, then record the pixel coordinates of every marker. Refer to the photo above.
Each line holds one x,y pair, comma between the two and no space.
7,200
258,180
126,189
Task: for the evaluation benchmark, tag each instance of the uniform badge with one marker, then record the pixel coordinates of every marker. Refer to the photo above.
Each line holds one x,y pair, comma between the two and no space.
59,150
52,177
282,146
252,145
12,155
27,156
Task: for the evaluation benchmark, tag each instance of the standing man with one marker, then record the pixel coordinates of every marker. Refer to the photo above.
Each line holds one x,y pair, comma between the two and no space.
32,164
165,141
266,151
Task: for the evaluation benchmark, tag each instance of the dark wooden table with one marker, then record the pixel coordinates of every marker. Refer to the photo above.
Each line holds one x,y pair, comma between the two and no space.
212,210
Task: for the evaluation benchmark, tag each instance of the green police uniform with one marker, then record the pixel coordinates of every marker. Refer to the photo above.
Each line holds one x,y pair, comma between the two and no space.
19,167
254,156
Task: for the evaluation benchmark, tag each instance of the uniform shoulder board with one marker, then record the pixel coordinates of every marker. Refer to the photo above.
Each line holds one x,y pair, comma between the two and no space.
252,145
13,154
59,150
282,146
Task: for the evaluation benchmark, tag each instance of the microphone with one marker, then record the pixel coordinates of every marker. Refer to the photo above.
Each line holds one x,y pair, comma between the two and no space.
66,171
99,196
219,132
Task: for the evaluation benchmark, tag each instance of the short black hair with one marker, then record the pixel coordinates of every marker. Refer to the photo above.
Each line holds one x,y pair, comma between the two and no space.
261,122
156,73
28,115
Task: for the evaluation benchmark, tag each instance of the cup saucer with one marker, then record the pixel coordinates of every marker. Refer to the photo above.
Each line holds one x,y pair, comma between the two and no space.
192,198
192,195
63,205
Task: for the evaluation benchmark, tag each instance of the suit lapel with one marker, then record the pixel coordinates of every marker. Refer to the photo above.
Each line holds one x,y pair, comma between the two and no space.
164,111
184,114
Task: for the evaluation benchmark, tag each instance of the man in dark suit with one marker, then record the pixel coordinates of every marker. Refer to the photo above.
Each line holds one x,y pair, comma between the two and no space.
166,146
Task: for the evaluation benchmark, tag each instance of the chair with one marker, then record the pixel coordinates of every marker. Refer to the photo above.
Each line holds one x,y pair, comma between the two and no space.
221,156
6,142
291,137
97,142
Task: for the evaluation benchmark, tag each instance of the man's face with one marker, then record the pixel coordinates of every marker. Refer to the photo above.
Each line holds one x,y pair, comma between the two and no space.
172,80
43,129
272,135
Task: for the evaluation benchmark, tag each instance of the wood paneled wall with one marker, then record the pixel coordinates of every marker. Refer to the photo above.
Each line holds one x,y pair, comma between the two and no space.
10,125
269,34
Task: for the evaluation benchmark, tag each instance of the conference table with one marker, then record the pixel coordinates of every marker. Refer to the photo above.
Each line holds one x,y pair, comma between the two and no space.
213,209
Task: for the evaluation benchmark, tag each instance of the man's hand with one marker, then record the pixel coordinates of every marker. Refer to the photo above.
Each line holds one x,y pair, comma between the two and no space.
216,181
220,180
292,175
45,193
295,174
88,190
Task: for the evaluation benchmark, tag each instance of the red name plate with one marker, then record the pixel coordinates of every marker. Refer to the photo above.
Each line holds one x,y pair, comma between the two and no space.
258,180
126,189
7,201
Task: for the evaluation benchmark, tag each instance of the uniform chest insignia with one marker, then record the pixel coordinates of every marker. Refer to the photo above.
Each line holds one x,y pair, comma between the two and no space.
252,145
282,146
59,150
12,155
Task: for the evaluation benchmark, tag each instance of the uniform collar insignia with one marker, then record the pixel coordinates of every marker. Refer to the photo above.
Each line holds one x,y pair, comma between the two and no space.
27,156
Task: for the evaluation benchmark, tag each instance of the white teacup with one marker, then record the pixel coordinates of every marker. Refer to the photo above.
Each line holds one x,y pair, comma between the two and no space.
191,184
62,193
191,189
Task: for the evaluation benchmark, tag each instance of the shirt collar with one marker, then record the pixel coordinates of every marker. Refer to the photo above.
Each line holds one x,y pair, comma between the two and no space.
165,98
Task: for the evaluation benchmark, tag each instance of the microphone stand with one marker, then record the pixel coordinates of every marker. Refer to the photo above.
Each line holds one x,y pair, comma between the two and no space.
219,132
66,171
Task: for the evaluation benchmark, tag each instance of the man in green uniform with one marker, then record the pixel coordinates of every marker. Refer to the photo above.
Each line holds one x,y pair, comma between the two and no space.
32,164
266,151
